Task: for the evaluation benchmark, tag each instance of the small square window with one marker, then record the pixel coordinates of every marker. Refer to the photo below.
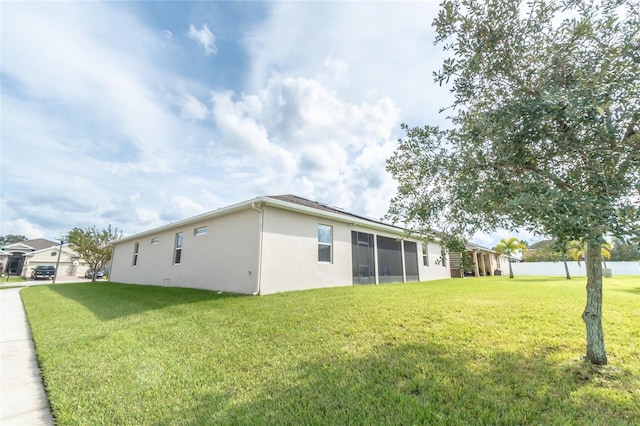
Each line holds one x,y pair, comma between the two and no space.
155,240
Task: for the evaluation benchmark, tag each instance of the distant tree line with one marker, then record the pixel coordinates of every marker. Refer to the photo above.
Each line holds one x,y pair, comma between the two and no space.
11,238
550,251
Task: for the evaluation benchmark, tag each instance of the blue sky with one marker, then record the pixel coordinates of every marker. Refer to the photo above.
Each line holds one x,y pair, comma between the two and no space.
137,114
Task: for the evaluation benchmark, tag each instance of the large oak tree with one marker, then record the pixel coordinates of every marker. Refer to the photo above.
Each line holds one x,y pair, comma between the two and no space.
544,130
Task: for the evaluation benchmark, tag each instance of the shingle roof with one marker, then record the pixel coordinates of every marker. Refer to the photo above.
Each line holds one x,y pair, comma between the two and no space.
290,198
474,246
37,244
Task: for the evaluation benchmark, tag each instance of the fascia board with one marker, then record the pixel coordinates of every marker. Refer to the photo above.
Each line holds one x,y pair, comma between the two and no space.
17,246
191,220
65,249
339,217
345,218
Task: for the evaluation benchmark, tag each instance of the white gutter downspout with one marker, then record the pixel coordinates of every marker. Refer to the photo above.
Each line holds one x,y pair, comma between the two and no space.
258,207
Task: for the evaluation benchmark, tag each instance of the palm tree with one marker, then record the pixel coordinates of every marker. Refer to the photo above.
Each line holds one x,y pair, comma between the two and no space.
577,250
563,247
510,247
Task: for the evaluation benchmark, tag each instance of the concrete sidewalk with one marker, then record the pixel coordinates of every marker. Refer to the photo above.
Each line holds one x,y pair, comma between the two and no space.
23,400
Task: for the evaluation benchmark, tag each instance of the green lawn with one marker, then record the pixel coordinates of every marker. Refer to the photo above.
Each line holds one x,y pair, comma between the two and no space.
11,279
462,351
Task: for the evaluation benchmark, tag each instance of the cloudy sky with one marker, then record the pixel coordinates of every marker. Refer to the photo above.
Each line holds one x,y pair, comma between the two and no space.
137,114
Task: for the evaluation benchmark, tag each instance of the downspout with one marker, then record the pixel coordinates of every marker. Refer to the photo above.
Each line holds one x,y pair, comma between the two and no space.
404,268
113,253
258,207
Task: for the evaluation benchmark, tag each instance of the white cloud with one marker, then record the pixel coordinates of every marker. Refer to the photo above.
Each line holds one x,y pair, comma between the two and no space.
367,50
109,83
129,139
335,73
205,38
295,135
193,109
490,240
180,207
107,123
22,227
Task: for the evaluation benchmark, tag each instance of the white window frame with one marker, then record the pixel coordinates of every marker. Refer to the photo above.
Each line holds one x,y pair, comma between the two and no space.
200,231
425,254
136,249
179,243
155,240
325,244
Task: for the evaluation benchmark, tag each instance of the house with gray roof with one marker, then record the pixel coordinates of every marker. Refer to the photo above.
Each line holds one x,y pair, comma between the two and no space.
22,257
273,244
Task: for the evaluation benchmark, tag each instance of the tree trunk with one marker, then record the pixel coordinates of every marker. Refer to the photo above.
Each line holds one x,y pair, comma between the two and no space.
510,269
592,315
566,267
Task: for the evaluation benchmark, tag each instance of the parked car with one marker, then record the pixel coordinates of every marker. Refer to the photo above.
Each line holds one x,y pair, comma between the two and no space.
89,273
43,271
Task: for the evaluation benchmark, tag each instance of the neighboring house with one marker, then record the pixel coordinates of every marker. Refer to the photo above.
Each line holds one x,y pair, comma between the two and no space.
24,256
15,254
486,262
4,260
274,244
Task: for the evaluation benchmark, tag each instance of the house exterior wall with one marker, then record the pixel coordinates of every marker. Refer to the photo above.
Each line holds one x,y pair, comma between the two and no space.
255,248
436,270
290,253
223,259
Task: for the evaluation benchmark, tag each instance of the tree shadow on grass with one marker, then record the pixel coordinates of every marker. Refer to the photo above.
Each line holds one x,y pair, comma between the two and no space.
109,301
525,279
635,290
417,384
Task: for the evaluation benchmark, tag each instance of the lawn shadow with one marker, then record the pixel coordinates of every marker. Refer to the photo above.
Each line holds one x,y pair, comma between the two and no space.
109,301
635,290
416,384
527,279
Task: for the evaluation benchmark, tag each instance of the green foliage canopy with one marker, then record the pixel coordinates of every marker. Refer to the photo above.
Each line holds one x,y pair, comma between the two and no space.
546,122
624,251
11,238
510,246
93,245
545,129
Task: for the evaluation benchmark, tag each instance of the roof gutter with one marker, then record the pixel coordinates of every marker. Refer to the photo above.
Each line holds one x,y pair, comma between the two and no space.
340,217
257,204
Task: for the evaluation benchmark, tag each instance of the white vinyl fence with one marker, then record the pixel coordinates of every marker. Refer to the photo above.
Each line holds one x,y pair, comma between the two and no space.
557,268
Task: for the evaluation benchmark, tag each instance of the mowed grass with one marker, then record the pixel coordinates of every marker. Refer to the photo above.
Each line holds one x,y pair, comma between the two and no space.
461,351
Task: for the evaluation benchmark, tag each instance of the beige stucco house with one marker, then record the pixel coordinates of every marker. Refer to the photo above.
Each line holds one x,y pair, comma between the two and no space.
485,262
21,258
274,244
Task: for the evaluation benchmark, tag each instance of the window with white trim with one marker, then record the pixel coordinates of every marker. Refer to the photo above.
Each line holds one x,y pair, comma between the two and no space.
325,243
177,256
136,247
200,231
425,254
155,240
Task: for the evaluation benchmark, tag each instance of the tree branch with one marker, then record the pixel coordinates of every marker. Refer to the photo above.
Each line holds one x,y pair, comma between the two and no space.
556,180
